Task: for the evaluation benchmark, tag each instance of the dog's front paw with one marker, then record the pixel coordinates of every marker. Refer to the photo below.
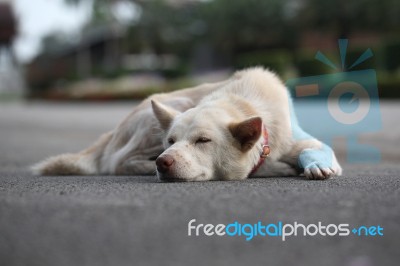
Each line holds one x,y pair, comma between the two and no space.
319,165
319,172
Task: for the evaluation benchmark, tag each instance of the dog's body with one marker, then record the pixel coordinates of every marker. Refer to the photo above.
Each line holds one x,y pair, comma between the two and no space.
209,132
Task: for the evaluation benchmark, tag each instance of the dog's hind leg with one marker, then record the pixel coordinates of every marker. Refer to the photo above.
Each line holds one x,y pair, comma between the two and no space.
139,164
81,163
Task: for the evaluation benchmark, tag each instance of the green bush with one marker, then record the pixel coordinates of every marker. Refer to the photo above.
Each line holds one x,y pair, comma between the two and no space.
388,85
371,63
391,55
180,71
276,60
307,65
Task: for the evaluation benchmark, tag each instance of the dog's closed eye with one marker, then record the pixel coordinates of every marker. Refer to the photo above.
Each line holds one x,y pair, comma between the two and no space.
171,141
202,140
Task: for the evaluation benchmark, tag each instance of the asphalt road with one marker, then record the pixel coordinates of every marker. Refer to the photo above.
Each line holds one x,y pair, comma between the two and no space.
133,220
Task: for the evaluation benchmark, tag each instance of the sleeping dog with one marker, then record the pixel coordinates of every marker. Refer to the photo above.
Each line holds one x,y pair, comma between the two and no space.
244,126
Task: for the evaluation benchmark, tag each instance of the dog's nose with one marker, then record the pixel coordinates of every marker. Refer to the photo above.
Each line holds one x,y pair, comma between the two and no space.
164,162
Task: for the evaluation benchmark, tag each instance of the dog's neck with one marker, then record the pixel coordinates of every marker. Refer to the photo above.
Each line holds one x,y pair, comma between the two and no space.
265,150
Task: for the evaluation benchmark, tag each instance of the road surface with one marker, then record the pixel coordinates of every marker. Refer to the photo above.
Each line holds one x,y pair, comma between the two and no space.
135,220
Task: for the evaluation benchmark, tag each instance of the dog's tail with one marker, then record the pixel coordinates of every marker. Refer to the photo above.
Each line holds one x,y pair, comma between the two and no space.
82,163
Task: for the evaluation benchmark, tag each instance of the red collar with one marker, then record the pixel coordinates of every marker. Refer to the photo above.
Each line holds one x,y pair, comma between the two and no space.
264,153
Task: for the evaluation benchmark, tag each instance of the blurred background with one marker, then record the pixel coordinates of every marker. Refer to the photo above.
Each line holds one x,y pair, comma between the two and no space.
126,49
65,63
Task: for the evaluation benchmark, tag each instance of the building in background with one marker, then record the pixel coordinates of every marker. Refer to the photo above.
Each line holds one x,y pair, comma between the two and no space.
183,38
11,81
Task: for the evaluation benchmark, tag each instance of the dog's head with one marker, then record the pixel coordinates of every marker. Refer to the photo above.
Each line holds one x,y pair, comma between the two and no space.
206,143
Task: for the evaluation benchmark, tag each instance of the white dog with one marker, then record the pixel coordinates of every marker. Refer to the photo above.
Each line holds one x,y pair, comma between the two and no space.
231,130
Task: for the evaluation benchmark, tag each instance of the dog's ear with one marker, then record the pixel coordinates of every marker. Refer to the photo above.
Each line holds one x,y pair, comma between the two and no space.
163,113
247,132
